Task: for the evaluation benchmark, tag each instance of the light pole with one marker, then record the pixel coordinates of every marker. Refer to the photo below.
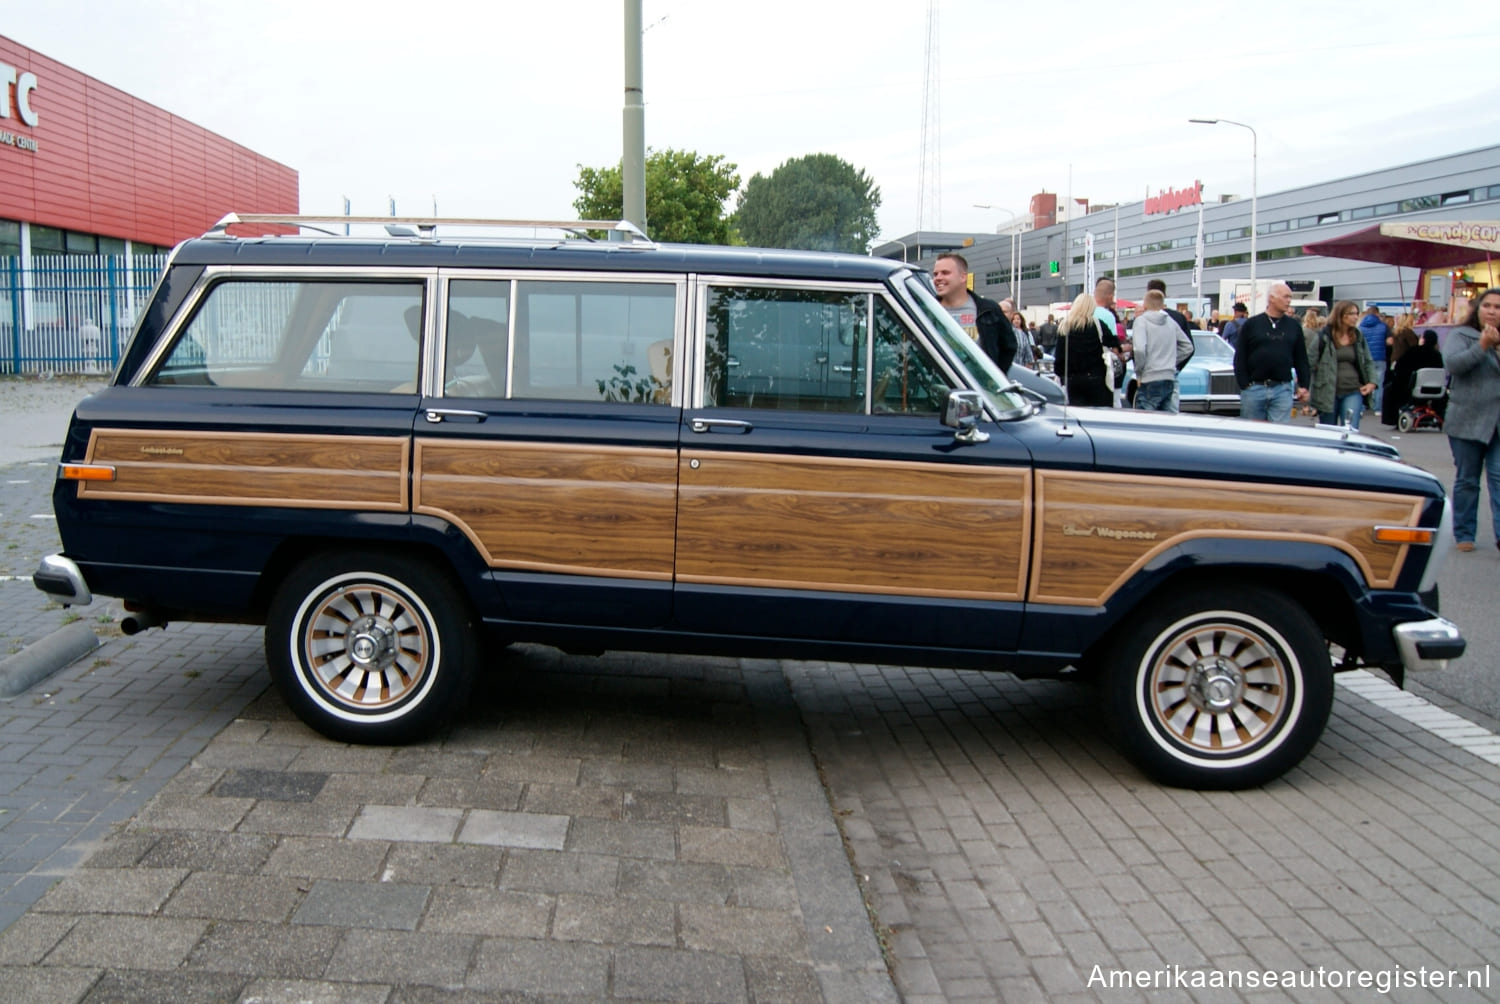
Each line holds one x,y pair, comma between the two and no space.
897,240
1014,288
1254,170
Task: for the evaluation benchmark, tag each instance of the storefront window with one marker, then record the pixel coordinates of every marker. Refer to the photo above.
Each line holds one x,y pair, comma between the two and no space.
81,243
47,240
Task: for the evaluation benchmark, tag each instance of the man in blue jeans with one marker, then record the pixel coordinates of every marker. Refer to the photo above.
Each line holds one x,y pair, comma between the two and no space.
1269,353
1161,347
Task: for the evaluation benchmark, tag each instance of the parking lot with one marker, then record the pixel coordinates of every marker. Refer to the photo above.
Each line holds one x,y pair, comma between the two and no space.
676,828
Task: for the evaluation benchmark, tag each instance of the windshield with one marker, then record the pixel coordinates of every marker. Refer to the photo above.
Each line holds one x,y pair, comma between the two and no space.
1208,346
1002,395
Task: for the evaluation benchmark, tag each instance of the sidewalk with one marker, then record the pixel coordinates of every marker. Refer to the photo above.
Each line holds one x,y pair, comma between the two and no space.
624,828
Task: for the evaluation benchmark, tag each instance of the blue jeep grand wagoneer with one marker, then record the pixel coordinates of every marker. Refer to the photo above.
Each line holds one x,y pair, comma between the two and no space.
396,452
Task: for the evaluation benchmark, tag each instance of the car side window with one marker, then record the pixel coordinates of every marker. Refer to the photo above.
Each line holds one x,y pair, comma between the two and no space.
907,381
478,335
789,349
594,340
324,336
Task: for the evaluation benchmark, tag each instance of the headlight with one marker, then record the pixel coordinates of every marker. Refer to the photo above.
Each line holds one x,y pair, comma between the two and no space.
1192,381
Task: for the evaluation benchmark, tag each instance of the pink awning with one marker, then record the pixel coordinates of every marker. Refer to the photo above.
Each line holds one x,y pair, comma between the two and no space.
1440,244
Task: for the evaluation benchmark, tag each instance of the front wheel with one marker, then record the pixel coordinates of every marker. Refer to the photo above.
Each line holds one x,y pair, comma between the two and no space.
370,649
1404,422
1220,688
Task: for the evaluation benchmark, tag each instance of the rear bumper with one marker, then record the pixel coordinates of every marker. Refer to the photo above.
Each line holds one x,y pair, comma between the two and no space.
60,578
1428,645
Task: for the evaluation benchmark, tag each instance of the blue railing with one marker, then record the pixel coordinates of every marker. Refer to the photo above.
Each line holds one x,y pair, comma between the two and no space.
71,313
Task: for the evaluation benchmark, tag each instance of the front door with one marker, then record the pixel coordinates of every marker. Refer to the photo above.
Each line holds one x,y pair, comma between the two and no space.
820,496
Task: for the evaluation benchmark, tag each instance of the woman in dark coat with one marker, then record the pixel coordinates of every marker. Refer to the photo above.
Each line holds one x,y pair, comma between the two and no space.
1081,341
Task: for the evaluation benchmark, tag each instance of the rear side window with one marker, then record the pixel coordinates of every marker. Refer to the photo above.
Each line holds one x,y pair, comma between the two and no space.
322,336
594,340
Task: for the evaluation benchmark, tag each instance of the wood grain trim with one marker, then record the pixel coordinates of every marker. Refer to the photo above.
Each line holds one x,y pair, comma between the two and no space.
291,470
574,509
1140,516
851,525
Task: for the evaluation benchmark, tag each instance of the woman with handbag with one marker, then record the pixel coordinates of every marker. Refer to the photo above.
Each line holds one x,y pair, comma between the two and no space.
1082,345
1343,371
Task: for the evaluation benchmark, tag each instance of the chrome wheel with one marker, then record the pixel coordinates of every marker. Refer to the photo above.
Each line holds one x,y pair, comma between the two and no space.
367,646
1218,687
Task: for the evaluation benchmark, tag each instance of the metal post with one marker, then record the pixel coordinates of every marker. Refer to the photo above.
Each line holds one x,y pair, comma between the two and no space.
15,314
1014,217
114,314
1254,191
633,161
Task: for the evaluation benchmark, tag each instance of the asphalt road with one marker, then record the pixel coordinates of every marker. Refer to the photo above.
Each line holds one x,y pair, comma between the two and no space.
1468,589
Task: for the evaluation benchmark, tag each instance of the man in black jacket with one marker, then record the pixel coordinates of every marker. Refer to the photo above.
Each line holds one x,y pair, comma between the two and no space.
983,319
1270,360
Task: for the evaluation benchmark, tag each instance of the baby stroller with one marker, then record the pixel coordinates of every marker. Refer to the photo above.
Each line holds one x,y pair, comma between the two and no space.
1428,401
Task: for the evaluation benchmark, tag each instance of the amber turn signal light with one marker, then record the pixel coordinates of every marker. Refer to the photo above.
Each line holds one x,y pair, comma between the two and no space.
1404,534
88,472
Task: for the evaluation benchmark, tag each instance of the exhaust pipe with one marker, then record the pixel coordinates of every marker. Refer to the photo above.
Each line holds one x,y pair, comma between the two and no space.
139,620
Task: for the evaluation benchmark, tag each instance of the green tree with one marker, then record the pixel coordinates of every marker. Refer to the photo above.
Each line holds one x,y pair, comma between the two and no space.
685,196
817,202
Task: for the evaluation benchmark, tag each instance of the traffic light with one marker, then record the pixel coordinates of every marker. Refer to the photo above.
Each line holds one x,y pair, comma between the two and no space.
1054,268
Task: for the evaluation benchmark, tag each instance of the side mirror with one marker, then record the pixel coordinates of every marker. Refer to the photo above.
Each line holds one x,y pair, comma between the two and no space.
962,411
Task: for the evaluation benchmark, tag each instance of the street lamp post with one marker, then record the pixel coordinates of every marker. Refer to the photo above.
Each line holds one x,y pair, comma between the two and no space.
1014,288
1254,185
897,240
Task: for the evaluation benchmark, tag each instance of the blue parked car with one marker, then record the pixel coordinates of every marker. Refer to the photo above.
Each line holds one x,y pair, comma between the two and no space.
1207,382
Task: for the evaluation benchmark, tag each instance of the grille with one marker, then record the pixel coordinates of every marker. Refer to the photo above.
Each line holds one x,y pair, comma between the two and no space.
1224,383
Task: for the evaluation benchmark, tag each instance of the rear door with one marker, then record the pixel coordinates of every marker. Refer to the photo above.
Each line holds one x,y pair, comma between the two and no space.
548,437
820,496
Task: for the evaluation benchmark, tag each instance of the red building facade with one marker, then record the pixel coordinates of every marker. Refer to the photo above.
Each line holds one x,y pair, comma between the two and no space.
86,159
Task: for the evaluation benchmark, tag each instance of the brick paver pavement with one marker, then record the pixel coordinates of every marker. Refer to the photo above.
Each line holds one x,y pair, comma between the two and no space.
1007,850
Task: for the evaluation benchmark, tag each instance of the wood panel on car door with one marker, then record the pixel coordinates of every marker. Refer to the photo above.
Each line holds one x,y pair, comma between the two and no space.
853,529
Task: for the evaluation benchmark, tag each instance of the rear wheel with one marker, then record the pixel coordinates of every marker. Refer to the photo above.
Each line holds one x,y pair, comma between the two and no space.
371,649
1403,421
1221,688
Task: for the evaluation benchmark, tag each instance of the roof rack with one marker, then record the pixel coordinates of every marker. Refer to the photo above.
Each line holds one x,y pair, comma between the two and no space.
426,226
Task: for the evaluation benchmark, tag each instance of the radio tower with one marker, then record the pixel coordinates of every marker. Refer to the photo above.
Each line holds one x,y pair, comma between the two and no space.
930,163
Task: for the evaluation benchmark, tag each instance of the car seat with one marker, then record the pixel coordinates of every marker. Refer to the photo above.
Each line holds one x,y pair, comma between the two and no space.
1428,401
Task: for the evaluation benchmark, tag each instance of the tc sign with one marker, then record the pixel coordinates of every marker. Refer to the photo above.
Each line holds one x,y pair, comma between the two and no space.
24,84
1173,199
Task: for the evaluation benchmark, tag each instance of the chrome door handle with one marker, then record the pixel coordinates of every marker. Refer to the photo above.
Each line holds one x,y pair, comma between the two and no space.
727,424
436,415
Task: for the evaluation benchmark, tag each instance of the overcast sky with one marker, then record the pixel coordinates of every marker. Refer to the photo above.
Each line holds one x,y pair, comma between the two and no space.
488,107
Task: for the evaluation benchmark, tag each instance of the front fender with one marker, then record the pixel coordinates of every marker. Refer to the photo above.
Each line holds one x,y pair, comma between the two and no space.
1320,576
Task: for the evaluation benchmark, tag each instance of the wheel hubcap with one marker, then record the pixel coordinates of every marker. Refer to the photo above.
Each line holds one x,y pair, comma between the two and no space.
1218,687
1215,685
367,646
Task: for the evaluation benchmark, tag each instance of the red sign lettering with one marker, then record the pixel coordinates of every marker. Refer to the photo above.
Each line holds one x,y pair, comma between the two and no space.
1173,199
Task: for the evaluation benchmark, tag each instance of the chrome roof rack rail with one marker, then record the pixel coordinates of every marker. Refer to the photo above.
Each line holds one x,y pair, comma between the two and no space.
426,226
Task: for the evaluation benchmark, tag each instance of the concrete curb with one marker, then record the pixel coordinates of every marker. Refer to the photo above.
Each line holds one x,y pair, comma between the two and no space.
41,659
845,952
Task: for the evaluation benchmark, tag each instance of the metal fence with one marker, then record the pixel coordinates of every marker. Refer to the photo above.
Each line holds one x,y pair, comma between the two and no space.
71,313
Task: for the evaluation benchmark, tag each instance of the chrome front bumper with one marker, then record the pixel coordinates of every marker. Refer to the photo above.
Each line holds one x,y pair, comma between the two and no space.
60,578
1427,645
